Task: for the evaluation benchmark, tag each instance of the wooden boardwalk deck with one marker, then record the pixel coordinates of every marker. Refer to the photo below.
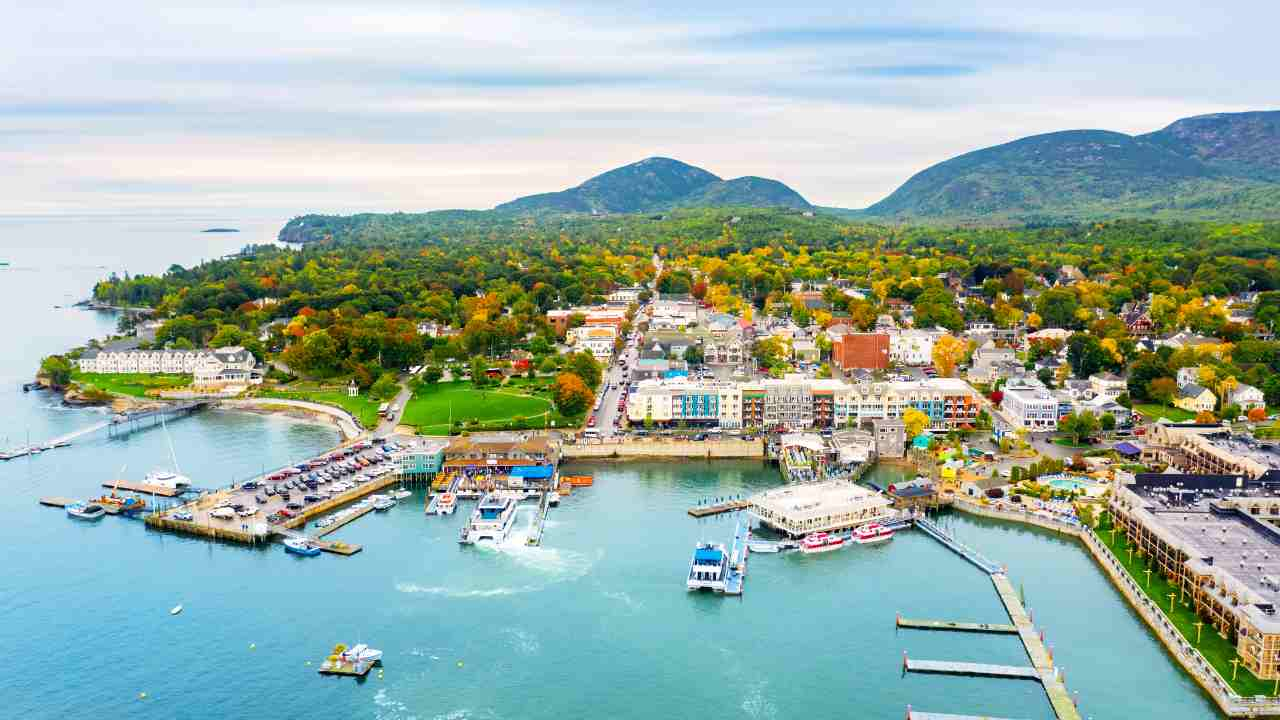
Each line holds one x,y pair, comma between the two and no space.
1041,660
56,501
916,715
141,488
946,667
995,628
718,508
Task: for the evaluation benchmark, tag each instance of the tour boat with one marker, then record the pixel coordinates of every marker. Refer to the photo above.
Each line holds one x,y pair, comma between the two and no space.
446,504
821,542
872,533
300,547
85,511
492,520
708,568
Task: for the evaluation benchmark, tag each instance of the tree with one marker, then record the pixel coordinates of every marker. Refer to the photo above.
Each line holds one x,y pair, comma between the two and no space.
1079,425
478,365
1204,417
547,366
1057,306
915,422
56,370
1108,422
1086,355
571,394
947,353
586,367
385,388
1146,368
1162,390
432,374
694,354
1257,414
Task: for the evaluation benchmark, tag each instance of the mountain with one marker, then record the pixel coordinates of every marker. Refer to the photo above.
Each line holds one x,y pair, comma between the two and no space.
658,183
1224,166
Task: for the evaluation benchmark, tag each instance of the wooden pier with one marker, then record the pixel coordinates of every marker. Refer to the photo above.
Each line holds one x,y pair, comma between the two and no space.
957,547
917,715
56,502
700,511
143,488
994,628
1041,658
352,517
946,667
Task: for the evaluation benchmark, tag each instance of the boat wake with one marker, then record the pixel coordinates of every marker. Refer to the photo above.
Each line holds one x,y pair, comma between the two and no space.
390,709
624,598
523,641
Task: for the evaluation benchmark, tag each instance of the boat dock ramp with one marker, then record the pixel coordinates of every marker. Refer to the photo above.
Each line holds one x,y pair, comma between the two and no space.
540,523
957,547
57,502
739,551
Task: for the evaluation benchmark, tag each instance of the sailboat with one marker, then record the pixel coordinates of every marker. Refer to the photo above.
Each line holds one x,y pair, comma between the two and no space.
163,478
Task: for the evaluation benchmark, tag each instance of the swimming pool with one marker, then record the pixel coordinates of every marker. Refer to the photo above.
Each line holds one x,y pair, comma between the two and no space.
1067,482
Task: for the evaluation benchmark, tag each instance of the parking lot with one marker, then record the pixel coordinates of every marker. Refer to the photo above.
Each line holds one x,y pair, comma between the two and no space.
283,495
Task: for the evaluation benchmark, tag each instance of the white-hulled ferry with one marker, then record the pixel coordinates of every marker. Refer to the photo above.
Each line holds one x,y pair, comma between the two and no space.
492,520
708,568
821,542
872,533
446,504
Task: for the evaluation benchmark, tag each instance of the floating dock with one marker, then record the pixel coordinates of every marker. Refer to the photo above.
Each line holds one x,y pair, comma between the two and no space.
916,715
1041,658
719,508
945,667
958,547
540,524
137,487
344,669
56,501
994,628
738,554
349,518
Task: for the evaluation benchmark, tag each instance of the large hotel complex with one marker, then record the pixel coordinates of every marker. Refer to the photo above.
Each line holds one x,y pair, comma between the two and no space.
797,402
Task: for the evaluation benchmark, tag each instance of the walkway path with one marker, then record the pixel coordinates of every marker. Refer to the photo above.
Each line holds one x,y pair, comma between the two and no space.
346,423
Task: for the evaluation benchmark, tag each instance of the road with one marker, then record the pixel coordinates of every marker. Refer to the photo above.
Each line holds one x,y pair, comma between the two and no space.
615,379
388,424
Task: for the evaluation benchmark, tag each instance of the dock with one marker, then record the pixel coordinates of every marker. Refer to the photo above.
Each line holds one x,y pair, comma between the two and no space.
700,511
344,668
958,547
352,517
1041,659
946,667
947,625
56,502
738,554
916,715
142,488
540,523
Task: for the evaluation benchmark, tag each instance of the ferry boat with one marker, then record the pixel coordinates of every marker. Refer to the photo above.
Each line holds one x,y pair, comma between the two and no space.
447,503
492,520
821,542
85,511
300,547
708,568
872,533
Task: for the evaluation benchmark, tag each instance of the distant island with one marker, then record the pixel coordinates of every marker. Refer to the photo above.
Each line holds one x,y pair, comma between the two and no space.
221,230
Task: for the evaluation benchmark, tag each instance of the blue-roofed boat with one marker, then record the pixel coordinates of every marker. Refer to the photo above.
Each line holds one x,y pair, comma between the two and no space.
492,520
708,568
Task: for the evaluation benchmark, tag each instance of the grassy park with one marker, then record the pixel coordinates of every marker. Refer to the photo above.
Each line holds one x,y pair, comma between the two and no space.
504,408
361,407
131,384
1158,411
1216,649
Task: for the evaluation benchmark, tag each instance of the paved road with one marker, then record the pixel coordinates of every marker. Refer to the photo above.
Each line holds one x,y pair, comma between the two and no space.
393,418
616,380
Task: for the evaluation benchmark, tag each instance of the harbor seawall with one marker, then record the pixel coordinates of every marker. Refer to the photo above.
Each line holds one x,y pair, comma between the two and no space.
650,449
967,506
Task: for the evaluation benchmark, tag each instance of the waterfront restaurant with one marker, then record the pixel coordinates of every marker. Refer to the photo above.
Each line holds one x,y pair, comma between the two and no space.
422,459
1203,533
797,510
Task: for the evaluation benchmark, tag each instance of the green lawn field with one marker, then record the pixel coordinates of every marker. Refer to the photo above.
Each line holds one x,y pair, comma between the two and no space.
1156,412
132,384
364,409
431,406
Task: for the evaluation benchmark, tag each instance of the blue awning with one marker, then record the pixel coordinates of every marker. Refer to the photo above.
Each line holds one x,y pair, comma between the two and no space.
532,472
707,555
1128,448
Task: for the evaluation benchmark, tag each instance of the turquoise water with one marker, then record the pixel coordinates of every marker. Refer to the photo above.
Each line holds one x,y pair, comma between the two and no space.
594,624
1065,483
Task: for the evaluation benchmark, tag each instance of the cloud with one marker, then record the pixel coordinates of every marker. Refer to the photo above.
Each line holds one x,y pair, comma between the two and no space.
913,71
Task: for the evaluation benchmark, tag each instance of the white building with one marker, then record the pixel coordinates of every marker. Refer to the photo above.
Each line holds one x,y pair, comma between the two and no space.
679,399
1247,397
226,366
805,508
913,347
223,366
627,295
598,339
1031,408
1108,385
673,314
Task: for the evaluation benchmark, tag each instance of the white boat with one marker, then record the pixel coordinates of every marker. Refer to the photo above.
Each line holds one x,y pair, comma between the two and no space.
176,609
298,546
447,503
872,533
361,653
492,520
383,503
401,494
553,498
166,479
821,542
764,546
708,568
85,511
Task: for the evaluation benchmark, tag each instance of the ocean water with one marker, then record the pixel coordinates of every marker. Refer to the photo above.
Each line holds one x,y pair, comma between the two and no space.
595,623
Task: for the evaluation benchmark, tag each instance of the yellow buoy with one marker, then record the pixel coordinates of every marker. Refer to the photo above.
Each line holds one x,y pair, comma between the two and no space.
252,646
459,663
142,696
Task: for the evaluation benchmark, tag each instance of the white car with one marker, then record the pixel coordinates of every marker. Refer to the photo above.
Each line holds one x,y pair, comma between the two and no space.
222,513
248,511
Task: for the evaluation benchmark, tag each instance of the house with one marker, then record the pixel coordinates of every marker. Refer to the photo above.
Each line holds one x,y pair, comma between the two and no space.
1188,375
987,362
913,347
1195,398
599,340
837,331
1108,385
1184,339
978,487
673,312
1069,274
1247,397
861,350
805,351
626,295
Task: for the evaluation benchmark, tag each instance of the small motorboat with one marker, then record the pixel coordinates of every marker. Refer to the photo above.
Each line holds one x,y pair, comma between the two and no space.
401,494
362,653
762,546
176,609
300,547
447,504
382,503
85,511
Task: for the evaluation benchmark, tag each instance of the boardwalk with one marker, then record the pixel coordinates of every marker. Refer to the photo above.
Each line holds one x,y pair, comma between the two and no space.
994,628
958,547
1040,657
945,667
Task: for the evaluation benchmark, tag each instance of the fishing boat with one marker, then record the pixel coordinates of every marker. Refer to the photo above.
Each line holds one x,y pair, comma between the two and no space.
117,505
383,503
708,568
871,534
298,546
821,542
447,503
492,520
85,511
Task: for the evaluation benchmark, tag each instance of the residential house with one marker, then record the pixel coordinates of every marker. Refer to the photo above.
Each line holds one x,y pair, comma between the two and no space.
1194,398
1247,397
1108,385
987,362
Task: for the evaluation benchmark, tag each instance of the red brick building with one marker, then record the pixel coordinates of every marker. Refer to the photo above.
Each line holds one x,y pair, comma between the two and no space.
861,350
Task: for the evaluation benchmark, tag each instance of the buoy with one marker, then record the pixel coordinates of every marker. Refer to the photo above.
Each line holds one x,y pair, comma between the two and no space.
142,696
459,663
252,646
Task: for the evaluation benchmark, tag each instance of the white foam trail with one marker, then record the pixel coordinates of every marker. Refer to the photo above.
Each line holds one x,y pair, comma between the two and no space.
389,709
624,598
523,641
457,593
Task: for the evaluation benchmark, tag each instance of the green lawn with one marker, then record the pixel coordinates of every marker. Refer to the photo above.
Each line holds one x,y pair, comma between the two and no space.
431,406
1156,412
132,384
1217,650
362,407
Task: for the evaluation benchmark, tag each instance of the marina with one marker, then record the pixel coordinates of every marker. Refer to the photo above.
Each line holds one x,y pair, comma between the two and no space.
945,625
940,667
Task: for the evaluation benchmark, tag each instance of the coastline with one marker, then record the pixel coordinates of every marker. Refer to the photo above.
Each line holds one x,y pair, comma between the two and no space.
301,411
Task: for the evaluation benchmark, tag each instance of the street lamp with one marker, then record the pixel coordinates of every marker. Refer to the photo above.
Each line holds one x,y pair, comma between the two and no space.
1170,603
1148,572
1199,627
1235,666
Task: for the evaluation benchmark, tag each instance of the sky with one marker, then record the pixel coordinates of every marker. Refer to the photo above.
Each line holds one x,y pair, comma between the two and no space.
293,107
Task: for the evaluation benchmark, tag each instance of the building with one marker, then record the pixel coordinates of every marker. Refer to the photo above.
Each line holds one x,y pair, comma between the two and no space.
1031,408
891,437
805,351
680,400
860,350
1203,533
221,366
560,320
599,340
626,295
913,347
988,361
1247,397
1194,398
797,510
421,459
673,313
1108,385
1208,449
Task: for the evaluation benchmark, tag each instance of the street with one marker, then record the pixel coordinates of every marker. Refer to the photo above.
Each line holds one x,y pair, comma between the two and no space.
615,379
